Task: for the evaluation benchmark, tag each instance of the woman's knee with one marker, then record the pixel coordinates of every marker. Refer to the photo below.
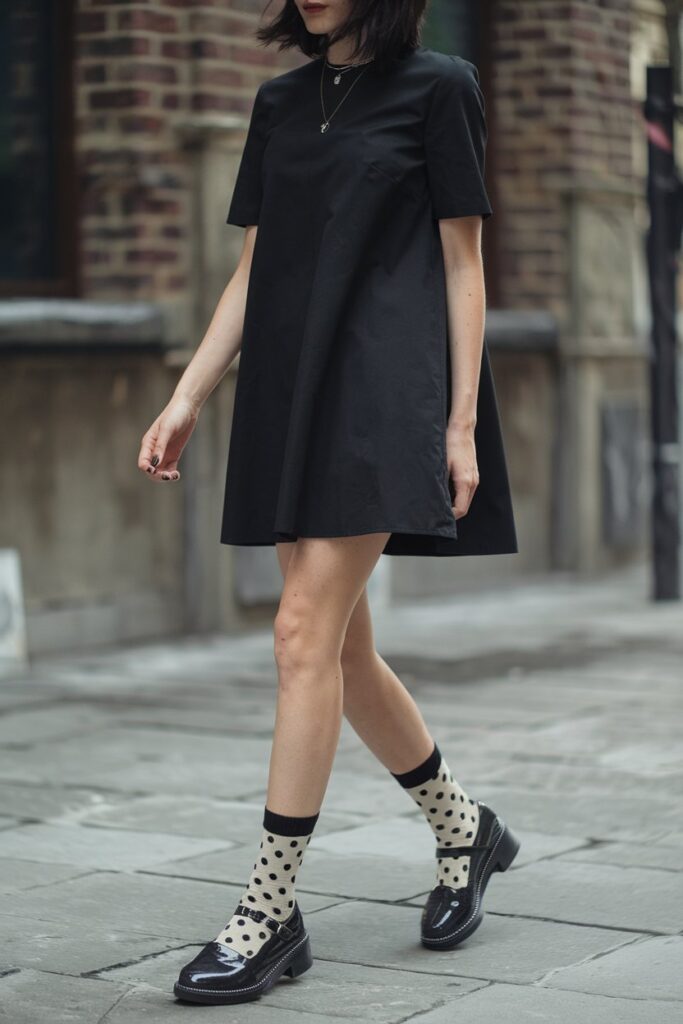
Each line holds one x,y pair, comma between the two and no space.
298,641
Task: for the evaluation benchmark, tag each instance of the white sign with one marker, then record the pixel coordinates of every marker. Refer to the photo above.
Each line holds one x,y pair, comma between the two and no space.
13,651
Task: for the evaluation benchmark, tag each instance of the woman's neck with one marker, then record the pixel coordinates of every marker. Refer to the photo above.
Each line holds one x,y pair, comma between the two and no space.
341,52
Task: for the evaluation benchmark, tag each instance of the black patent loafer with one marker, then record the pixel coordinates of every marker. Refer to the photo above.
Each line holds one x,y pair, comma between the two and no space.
219,974
452,914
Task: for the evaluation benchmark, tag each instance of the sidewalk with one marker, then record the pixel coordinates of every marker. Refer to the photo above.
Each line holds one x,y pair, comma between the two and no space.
132,785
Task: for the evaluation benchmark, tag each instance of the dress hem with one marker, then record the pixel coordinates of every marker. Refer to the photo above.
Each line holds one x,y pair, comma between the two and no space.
506,548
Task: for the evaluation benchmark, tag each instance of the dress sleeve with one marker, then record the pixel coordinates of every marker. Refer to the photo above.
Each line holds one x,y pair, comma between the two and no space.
245,204
455,144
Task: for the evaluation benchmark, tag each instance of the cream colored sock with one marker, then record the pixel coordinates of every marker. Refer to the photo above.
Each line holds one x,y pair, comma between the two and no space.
271,884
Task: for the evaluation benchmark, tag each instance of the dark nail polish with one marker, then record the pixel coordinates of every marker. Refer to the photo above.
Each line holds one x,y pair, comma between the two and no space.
155,460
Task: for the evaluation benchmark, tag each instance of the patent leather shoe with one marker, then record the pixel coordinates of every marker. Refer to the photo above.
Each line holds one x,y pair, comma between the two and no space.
219,974
452,914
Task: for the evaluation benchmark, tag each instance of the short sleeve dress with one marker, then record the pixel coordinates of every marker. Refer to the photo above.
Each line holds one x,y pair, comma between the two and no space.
343,387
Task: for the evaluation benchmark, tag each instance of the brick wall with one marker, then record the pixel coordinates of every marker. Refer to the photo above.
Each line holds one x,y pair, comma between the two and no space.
563,114
560,103
142,69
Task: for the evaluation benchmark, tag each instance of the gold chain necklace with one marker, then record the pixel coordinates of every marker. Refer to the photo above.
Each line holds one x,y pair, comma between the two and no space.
326,120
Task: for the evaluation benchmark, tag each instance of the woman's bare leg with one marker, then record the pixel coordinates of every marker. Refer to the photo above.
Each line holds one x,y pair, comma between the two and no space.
323,581
375,701
387,719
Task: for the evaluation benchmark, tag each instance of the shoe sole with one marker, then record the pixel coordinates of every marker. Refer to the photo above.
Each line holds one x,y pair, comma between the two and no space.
499,858
293,963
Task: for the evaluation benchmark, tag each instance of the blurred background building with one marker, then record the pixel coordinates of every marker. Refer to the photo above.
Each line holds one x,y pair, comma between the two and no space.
122,124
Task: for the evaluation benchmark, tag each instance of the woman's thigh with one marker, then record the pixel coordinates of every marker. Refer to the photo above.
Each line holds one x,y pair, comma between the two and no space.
358,639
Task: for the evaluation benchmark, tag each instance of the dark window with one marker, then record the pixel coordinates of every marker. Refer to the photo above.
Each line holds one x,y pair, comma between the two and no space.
453,26
36,141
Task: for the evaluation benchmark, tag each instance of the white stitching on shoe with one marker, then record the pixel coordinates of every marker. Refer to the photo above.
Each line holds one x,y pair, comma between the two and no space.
248,988
477,897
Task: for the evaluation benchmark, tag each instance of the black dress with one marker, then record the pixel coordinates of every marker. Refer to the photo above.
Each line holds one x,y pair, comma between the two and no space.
343,387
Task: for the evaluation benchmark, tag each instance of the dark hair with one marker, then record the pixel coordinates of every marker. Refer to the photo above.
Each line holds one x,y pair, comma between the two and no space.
383,29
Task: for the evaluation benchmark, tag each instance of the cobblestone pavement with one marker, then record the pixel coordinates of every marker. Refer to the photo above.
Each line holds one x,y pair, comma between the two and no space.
133,784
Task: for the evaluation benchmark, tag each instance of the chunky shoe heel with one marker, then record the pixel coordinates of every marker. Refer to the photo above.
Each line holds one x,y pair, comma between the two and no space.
506,850
301,962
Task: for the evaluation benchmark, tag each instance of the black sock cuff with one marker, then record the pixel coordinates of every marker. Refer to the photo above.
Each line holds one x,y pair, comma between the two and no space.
425,771
286,825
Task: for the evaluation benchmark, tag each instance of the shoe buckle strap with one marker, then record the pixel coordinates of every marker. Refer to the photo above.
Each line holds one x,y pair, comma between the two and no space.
458,851
279,927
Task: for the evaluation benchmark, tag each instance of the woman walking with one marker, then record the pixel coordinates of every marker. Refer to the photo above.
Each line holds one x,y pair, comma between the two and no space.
365,422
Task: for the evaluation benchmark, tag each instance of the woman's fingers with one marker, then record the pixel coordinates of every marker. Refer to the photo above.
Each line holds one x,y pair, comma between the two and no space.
146,456
164,435
465,486
167,470
154,448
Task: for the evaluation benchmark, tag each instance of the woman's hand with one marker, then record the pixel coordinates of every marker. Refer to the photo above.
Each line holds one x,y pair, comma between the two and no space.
163,443
462,467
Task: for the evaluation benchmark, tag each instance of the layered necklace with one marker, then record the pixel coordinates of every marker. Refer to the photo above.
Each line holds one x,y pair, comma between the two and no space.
340,70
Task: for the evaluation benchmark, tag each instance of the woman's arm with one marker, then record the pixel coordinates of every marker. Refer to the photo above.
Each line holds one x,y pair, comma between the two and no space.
223,337
466,297
163,443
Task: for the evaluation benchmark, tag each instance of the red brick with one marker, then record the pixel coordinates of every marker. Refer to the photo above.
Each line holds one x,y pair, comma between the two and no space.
148,21
118,99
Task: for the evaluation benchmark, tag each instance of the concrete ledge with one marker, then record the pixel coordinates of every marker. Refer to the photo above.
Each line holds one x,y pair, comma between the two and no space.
522,330
55,324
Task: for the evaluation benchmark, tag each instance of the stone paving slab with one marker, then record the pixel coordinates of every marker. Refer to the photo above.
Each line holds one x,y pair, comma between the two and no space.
344,990
39,801
73,945
15,700
36,998
31,725
644,969
174,908
593,894
113,849
17,875
613,740
531,1003
148,760
527,771
40,997
155,1007
672,838
664,858
212,818
576,812
502,948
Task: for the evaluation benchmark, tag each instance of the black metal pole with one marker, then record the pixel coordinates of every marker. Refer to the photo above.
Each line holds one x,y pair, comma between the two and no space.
663,239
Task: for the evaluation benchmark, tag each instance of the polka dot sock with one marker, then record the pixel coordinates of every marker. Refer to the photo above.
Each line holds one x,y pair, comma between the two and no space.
271,884
453,817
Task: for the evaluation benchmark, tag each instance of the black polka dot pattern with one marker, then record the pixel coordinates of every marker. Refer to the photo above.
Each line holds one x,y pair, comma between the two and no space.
270,889
436,799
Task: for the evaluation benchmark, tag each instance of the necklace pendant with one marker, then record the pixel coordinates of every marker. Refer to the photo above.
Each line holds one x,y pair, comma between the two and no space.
324,126
337,79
